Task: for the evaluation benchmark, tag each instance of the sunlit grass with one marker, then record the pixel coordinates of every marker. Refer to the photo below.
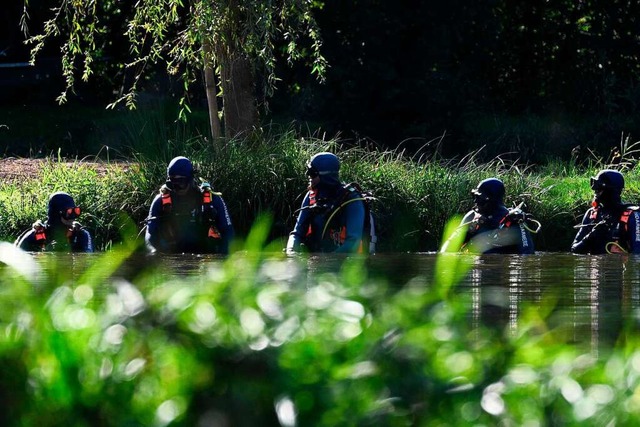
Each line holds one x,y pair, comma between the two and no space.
102,196
415,195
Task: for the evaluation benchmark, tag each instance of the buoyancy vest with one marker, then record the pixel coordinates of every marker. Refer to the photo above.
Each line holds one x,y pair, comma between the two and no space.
479,224
207,211
619,231
337,232
480,221
41,234
624,217
514,217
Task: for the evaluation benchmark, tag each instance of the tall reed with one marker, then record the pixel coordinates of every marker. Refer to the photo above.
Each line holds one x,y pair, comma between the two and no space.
415,196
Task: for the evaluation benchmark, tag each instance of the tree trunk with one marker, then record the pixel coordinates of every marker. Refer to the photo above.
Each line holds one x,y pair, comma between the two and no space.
212,91
238,93
212,103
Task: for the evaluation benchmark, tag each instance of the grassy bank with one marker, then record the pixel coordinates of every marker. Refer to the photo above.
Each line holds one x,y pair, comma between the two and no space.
415,196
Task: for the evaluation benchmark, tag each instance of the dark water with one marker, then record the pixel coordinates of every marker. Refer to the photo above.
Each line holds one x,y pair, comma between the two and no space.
587,298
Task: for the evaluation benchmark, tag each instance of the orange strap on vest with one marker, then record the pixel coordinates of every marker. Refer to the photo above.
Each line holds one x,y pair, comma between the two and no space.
40,234
505,222
206,197
214,233
166,201
312,202
624,219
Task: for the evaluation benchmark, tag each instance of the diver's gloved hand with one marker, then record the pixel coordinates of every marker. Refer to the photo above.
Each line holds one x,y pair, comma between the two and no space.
598,233
522,218
166,188
519,216
476,223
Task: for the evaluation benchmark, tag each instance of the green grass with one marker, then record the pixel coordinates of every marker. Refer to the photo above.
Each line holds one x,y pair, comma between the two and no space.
415,197
103,198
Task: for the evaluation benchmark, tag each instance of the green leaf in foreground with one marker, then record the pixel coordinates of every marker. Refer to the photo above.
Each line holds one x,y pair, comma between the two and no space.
451,266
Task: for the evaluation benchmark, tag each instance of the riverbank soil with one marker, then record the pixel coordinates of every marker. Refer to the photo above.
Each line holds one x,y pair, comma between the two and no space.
13,168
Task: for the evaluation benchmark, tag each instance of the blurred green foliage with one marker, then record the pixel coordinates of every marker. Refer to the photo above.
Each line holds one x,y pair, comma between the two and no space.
261,339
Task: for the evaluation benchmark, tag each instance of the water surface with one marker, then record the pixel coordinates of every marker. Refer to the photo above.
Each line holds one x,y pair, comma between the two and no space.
589,298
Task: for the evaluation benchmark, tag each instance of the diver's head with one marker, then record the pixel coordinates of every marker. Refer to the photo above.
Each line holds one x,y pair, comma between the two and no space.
62,209
488,194
607,187
180,174
324,170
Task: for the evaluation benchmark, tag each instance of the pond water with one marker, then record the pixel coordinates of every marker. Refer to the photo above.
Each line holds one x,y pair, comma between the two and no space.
589,298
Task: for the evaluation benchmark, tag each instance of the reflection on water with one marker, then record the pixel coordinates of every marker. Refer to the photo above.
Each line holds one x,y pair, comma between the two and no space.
587,298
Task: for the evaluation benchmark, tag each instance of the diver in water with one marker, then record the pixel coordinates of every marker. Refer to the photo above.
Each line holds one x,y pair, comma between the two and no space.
334,217
491,227
609,226
60,232
185,217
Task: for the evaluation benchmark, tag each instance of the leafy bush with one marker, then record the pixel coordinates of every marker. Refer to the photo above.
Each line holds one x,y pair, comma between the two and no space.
258,339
